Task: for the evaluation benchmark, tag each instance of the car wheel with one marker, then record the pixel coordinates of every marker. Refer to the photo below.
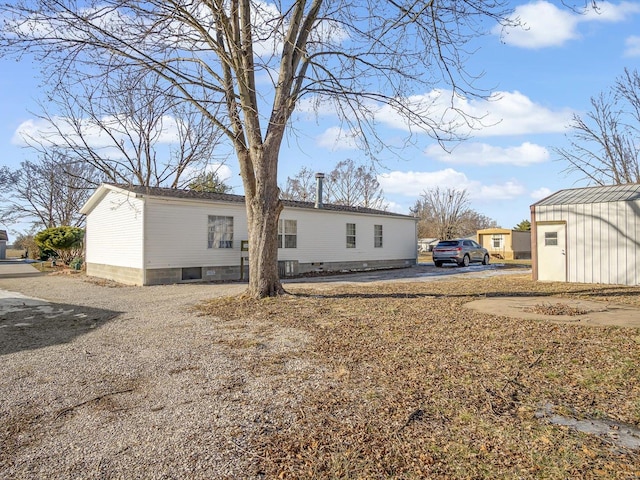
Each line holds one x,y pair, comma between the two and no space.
465,261
485,260
438,264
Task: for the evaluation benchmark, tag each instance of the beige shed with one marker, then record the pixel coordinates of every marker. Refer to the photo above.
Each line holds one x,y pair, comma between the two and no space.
506,244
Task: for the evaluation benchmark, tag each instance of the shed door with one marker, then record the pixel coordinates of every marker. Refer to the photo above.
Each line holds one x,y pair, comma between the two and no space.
552,258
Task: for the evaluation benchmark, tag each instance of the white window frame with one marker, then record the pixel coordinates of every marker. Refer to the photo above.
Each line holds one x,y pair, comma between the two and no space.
377,236
500,241
220,231
287,233
351,235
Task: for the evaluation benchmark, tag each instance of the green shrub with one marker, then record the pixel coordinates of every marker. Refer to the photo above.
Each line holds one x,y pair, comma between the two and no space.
65,242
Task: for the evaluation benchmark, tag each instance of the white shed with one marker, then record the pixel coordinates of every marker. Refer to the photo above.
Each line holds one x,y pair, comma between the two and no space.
588,235
147,236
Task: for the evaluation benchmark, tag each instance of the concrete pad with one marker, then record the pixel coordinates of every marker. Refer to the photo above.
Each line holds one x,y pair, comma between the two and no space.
28,323
598,313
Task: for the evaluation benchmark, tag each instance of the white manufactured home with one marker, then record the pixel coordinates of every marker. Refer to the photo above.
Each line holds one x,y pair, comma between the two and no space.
150,236
588,235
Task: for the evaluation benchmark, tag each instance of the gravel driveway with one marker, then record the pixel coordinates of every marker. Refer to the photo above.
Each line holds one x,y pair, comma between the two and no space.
128,400
107,381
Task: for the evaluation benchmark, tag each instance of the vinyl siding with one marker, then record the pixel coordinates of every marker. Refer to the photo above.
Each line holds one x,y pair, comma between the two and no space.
114,231
160,236
177,233
322,237
181,229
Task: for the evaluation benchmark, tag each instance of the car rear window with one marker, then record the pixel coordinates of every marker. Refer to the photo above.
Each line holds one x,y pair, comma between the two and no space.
448,244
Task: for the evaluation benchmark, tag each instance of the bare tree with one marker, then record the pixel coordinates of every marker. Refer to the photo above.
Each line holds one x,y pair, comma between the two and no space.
129,126
472,221
49,192
361,56
354,185
7,178
347,184
301,187
604,145
443,214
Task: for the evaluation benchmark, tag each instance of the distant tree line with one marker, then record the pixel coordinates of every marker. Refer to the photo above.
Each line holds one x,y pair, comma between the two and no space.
446,213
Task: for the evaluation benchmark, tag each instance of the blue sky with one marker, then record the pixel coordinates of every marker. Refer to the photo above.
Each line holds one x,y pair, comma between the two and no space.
541,75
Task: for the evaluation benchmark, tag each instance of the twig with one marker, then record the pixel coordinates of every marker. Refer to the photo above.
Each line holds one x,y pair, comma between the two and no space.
99,397
537,360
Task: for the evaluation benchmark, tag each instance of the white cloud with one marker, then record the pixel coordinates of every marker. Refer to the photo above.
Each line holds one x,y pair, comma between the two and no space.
503,113
541,193
413,184
396,208
43,132
632,45
223,171
506,191
610,12
335,138
484,154
542,24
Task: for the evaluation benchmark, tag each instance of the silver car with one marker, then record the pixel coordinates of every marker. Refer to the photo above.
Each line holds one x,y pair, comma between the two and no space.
460,251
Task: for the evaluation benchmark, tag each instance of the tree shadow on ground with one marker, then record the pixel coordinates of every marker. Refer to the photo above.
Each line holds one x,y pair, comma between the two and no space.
605,292
29,324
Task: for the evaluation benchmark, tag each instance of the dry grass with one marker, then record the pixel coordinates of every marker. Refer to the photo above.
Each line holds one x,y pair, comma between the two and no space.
15,252
416,386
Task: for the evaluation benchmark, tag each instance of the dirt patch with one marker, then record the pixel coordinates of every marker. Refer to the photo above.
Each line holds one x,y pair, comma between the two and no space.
560,310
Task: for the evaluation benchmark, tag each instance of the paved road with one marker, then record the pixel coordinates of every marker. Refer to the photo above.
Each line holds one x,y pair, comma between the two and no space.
423,272
17,269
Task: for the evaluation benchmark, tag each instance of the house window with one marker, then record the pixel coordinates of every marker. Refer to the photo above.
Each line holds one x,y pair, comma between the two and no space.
287,233
220,232
351,235
377,236
550,238
496,241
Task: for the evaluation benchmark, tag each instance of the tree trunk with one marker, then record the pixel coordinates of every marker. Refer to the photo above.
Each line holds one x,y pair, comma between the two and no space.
263,210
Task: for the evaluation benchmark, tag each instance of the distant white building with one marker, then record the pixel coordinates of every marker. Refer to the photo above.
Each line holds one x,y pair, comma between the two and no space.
588,235
4,238
427,244
147,236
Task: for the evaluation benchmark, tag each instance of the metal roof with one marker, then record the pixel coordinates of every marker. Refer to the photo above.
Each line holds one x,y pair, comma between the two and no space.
603,194
226,197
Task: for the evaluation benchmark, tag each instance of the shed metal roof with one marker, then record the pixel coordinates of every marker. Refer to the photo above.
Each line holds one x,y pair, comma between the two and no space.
603,194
